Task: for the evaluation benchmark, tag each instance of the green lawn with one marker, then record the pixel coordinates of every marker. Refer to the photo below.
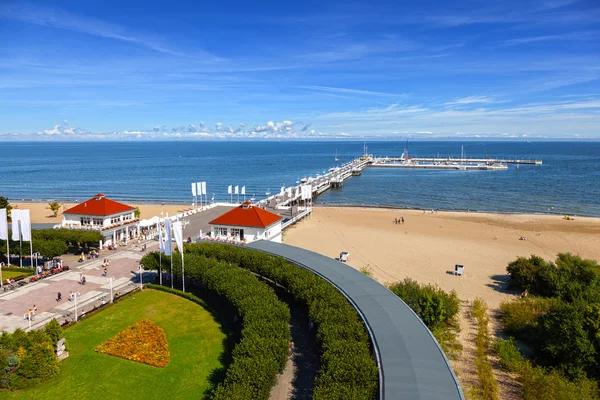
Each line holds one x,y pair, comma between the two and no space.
12,274
194,338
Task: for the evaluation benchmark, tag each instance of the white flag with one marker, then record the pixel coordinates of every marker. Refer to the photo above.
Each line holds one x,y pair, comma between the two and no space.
229,190
161,240
203,188
237,190
3,224
282,189
178,233
194,189
199,188
25,225
243,189
168,246
16,231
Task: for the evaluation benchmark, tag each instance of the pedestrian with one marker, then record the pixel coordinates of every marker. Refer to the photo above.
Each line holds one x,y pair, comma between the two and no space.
395,220
105,271
71,296
83,280
80,278
402,220
59,296
34,309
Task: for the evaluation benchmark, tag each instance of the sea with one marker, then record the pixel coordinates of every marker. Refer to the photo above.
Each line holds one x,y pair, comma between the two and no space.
568,181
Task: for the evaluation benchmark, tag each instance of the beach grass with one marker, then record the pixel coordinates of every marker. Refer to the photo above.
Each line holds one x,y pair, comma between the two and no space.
194,338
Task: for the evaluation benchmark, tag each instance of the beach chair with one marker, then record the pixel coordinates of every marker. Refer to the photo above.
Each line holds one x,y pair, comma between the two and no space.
458,270
344,256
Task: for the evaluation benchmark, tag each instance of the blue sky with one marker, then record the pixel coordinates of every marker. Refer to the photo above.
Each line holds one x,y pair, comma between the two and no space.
143,69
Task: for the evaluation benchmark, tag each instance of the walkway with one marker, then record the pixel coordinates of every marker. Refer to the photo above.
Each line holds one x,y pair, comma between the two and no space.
411,363
123,267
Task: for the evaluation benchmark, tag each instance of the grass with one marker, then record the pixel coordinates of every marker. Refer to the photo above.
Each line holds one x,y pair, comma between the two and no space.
488,387
12,274
194,338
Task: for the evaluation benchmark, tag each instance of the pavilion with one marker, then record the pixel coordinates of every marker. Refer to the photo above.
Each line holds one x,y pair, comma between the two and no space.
115,220
247,223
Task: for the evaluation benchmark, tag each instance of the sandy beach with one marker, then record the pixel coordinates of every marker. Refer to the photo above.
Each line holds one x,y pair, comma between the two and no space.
427,246
41,213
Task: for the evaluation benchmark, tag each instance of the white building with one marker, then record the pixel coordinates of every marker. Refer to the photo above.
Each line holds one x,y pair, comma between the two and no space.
115,220
247,223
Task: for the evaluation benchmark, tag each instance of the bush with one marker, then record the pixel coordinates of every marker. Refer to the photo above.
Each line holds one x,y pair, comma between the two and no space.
520,317
434,306
28,359
262,351
54,331
538,383
348,369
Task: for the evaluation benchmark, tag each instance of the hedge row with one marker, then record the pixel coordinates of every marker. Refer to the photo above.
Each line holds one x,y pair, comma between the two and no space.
262,351
18,269
53,242
348,369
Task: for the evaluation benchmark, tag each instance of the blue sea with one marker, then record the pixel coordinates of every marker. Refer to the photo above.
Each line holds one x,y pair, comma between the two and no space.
154,172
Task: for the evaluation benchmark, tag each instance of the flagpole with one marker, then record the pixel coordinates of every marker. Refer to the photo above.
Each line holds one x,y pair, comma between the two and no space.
182,272
31,252
171,268
160,241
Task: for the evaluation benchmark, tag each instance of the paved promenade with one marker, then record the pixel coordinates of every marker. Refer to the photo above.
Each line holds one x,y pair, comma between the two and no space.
123,267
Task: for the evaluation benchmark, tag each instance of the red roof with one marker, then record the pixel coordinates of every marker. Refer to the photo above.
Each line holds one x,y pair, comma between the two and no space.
99,205
247,215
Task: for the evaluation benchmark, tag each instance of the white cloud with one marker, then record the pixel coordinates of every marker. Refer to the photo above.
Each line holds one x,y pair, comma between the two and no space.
471,100
350,91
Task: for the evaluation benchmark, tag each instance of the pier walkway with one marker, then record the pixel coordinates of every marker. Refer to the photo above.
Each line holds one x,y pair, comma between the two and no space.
411,363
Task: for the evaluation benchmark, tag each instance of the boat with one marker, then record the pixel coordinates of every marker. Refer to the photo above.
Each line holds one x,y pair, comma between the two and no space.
268,192
336,157
356,171
304,180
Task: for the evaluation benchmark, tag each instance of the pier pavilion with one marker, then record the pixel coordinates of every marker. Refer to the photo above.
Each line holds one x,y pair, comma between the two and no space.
116,221
247,223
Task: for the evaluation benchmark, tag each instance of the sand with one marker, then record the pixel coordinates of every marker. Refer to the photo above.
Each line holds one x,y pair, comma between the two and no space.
41,213
427,246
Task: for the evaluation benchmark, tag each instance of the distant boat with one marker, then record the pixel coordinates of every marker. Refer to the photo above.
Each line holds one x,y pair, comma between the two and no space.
304,180
336,157
268,192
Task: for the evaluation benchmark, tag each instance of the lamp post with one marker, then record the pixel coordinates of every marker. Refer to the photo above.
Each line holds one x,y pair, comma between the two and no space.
75,295
110,281
141,267
162,209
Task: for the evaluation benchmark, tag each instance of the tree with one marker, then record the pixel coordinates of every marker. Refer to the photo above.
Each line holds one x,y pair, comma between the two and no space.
55,207
137,213
4,204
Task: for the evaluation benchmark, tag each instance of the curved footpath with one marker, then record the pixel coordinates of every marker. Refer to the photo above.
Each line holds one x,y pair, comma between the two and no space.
411,363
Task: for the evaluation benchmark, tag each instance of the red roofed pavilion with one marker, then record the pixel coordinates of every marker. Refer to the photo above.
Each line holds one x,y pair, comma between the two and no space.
115,220
248,223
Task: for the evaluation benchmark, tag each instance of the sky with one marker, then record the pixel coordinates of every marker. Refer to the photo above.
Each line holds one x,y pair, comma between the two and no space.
315,69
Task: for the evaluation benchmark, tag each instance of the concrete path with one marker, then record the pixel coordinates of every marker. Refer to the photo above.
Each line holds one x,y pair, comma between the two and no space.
123,267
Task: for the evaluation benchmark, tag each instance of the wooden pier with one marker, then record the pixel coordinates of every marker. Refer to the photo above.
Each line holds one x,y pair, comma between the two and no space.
336,176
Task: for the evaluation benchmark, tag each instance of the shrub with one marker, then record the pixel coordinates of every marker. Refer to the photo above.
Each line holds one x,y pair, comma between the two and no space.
348,369
538,383
520,317
434,306
54,331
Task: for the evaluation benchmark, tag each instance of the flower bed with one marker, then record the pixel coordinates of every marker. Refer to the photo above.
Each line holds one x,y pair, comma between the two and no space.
144,342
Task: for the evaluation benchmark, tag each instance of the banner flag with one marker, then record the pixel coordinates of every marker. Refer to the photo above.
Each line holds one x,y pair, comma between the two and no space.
25,225
229,190
203,188
168,240
178,233
236,189
161,240
282,189
199,190
16,231
194,189
3,224
243,189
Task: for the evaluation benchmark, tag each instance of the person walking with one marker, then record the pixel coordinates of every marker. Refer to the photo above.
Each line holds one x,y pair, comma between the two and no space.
402,219
59,296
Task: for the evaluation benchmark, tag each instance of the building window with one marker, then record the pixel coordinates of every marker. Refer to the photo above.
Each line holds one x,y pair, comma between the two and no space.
127,217
221,231
115,220
98,221
236,232
85,221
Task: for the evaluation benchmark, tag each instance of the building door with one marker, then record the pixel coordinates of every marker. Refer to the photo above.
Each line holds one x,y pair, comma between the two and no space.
241,234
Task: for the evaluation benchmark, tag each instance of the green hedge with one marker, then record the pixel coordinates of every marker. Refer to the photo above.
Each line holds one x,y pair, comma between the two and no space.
54,242
348,369
262,351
